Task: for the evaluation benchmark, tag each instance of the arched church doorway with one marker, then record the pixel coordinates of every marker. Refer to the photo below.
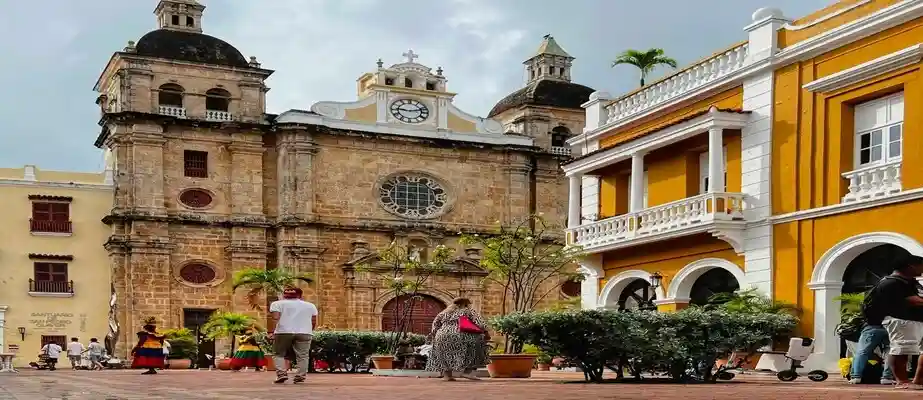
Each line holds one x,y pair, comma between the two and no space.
710,283
638,295
414,313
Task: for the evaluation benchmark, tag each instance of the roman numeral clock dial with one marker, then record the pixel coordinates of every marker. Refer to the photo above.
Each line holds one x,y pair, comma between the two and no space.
409,111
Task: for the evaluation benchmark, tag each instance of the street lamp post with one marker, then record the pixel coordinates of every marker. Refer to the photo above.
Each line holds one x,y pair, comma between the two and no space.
655,281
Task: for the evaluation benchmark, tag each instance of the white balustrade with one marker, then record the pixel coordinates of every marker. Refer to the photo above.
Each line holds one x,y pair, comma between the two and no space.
561,151
217,116
873,181
178,112
677,85
698,210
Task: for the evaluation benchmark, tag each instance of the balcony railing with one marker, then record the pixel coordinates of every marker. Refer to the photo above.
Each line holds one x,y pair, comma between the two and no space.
178,112
561,151
873,181
689,212
43,226
217,116
683,82
56,287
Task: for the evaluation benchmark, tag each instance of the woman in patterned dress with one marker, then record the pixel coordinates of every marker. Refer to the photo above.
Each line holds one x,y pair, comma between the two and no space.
454,350
148,353
249,353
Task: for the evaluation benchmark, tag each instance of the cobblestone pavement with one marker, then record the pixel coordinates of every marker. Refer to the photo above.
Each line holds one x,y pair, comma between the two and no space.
126,384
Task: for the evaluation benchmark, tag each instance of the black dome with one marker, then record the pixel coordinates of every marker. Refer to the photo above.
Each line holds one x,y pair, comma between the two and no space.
189,46
545,92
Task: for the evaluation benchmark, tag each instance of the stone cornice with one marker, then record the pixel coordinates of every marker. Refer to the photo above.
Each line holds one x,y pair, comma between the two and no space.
879,66
134,116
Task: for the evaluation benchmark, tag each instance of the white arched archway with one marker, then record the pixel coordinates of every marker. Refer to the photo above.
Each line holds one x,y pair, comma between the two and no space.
682,282
615,285
827,284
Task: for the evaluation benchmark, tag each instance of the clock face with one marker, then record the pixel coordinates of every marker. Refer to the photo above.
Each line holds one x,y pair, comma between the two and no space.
409,111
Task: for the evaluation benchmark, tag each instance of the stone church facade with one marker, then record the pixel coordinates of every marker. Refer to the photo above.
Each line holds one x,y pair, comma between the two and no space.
207,183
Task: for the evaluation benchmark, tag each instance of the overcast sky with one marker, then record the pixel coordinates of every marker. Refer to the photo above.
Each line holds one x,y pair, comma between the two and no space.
54,50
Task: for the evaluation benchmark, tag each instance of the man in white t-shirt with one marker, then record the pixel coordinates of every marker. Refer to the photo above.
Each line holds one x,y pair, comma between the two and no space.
52,351
74,352
294,331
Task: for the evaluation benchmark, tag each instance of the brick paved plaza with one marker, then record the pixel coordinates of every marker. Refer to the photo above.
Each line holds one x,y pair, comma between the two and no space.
110,385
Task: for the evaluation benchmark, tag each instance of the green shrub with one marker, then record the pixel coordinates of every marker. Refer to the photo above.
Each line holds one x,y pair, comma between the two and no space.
683,344
352,348
183,345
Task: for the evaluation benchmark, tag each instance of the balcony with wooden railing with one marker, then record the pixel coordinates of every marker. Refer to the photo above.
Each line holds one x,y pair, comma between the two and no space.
51,288
50,227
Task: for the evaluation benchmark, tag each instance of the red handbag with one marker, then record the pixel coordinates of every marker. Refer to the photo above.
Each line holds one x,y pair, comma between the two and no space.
466,326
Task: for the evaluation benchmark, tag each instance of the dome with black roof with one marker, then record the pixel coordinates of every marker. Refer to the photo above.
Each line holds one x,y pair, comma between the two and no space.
189,46
549,83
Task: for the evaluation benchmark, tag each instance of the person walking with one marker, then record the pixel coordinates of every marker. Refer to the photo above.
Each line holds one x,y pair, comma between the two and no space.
293,333
52,351
459,336
74,353
95,350
896,302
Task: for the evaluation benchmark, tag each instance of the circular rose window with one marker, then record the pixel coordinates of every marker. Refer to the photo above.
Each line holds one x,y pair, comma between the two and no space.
412,196
195,198
198,274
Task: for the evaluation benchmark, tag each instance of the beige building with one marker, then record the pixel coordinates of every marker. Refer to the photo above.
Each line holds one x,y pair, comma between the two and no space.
208,183
55,272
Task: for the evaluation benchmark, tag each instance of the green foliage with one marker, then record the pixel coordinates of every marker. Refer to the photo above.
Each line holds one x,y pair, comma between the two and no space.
227,324
263,341
529,261
570,303
850,305
750,301
266,281
183,344
645,61
353,348
684,344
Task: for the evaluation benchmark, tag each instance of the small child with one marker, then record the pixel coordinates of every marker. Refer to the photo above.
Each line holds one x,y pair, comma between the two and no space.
249,353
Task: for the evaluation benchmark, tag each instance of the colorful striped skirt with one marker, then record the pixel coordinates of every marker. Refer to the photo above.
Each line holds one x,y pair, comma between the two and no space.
148,357
248,356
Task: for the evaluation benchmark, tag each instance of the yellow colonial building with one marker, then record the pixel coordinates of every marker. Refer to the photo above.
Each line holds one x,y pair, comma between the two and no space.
54,271
790,163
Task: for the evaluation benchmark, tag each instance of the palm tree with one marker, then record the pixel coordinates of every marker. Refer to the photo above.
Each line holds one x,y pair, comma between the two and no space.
227,324
269,281
646,61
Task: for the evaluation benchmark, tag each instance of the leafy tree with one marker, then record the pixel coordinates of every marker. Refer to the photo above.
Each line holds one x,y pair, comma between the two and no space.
645,61
529,262
269,281
405,274
227,324
750,301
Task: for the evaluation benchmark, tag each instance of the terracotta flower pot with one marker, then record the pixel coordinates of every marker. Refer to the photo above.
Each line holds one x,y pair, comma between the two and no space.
543,367
383,362
179,364
511,365
224,364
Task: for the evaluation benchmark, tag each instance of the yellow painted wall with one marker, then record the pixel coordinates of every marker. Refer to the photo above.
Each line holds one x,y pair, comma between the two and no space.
789,37
84,315
368,113
729,99
667,257
458,124
812,133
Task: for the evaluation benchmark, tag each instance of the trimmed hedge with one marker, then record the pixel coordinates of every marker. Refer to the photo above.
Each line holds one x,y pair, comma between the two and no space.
351,349
684,345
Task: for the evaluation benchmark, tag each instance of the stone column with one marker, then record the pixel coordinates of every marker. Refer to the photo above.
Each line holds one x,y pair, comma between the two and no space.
517,191
573,201
637,182
715,160
592,270
146,174
246,179
295,169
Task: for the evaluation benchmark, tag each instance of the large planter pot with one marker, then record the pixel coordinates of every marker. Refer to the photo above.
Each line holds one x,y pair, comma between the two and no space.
179,364
511,365
224,364
383,362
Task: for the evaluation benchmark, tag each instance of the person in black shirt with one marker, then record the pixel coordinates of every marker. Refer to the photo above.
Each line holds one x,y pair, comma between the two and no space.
895,303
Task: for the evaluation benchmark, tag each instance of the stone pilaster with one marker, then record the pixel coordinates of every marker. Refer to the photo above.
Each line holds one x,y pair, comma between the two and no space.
146,174
247,250
246,179
518,191
295,169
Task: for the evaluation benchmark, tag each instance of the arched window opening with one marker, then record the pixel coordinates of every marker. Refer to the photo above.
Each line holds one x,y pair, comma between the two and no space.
217,100
408,82
190,22
638,295
715,281
559,136
171,95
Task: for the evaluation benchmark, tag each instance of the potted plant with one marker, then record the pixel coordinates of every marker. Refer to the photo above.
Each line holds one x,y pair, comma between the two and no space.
404,273
227,325
529,260
851,318
183,348
750,302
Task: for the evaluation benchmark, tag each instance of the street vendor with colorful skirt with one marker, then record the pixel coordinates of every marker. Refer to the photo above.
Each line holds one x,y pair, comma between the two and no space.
249,353
148,353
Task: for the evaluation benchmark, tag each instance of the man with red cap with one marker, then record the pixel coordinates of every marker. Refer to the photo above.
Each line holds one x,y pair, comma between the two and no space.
294,331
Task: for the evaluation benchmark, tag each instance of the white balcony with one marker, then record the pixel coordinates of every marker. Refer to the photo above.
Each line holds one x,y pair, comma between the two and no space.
873,181
218,116
172,111
720,214
561,151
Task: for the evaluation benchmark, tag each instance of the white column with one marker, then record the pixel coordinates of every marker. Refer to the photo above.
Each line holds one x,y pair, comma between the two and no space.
715,160
592,270
573,201
2,327
637,182
826,318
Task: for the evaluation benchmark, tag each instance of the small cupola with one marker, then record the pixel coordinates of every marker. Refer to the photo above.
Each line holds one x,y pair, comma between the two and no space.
180,15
